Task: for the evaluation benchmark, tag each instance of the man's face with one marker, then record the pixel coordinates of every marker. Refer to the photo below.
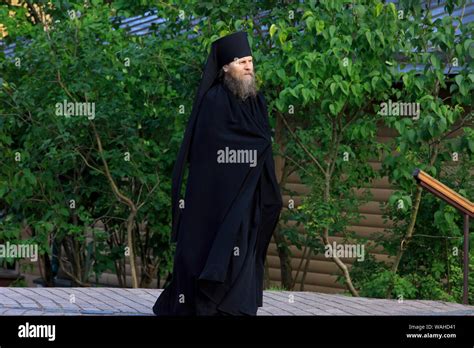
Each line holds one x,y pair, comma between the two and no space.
239,77
241,69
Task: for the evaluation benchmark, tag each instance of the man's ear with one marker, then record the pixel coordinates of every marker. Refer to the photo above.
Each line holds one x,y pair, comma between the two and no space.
226,68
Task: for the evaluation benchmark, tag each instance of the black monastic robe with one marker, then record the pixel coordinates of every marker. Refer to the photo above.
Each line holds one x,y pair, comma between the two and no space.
230,212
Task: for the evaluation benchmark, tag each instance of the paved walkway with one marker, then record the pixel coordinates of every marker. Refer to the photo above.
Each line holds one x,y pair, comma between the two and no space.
116,301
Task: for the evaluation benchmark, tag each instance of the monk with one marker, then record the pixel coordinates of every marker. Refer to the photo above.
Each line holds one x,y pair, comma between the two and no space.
223,225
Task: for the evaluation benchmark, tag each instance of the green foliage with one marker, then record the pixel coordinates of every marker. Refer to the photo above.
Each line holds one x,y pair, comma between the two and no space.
332,67
47,160
433,261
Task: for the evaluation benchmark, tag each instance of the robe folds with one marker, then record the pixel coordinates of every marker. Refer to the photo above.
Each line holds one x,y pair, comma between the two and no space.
230,211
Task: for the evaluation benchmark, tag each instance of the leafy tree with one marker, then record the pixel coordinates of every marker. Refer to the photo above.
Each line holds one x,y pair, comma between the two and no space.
427,234
61,175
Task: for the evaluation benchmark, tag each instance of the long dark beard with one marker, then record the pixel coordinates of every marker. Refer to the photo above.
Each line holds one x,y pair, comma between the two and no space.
241,88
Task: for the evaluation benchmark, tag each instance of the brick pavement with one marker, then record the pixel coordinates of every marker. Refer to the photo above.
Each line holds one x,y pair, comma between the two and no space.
118,301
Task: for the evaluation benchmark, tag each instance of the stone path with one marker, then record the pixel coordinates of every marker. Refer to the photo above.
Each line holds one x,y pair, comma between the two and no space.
117,301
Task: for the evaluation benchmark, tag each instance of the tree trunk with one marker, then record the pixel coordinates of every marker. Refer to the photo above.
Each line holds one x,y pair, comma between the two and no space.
282,245
411,227
325,237
285,258
125,200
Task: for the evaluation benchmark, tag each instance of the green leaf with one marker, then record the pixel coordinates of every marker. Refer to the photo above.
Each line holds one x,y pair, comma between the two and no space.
469,47
406,80
280,105
449,218
442,124
238,24
435,61
282,37
29,177
419,84
293,92
470,144
64,212
307,14
273,29
378,9
375,79
3,190
306,94
380,36
393,9
319,26
368,35
281,74
344,86
411,135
